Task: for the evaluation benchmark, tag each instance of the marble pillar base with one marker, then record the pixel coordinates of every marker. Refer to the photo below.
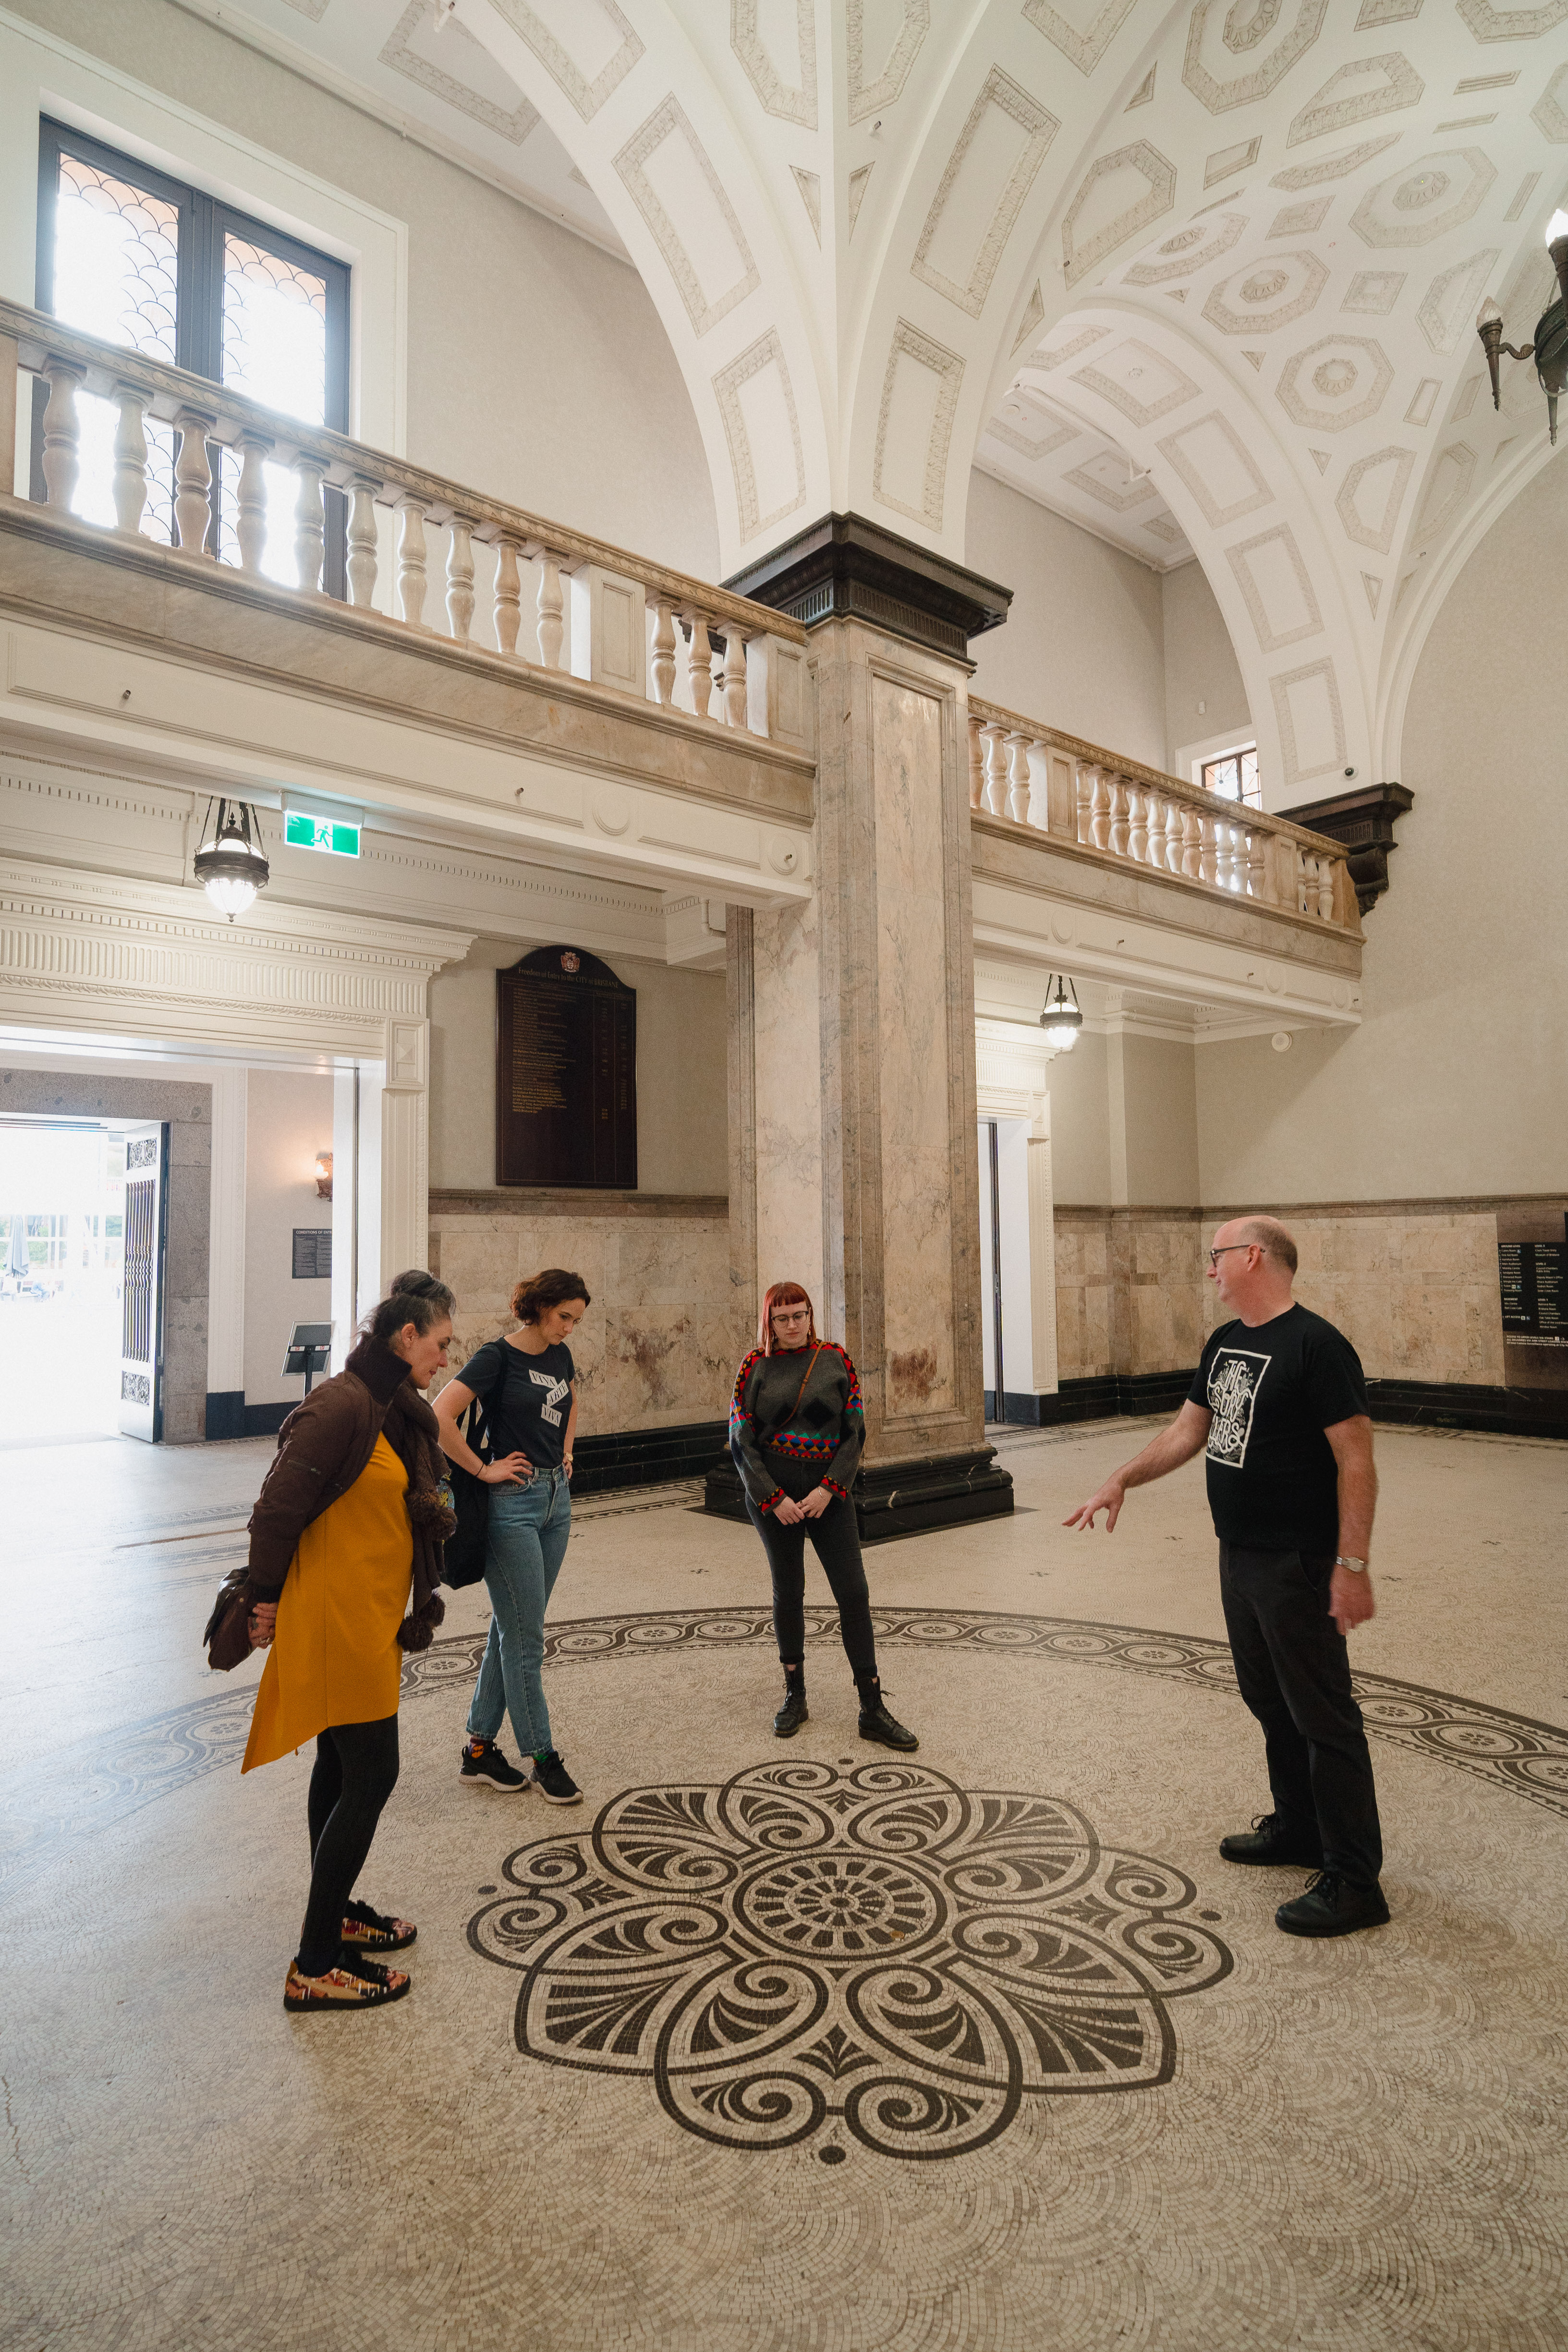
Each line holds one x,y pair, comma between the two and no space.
912,1498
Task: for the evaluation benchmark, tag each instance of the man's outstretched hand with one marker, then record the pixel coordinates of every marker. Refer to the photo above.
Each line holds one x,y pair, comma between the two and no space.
1109,1500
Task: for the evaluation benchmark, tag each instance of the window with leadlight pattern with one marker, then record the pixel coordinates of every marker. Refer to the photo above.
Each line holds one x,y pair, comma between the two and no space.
275,350
1235,777
128,254
116,273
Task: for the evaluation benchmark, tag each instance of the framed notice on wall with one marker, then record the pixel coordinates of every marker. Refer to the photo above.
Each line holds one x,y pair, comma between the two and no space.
1533,1281
566,1080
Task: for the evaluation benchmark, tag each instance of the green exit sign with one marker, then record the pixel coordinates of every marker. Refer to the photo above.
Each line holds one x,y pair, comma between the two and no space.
321,832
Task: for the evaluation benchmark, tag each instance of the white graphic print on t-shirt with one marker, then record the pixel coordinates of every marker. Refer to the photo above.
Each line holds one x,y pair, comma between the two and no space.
558,1388
1235,1376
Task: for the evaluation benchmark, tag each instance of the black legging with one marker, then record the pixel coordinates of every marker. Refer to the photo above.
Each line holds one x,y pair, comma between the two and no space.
354,1773
835,1539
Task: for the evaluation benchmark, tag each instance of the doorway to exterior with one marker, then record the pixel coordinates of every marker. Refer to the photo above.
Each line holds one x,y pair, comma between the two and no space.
63,1297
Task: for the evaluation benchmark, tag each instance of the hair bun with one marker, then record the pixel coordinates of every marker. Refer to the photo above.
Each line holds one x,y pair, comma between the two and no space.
416,1284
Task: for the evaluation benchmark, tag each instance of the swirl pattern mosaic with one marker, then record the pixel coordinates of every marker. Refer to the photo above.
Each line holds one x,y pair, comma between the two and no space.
807,1950
1512,1753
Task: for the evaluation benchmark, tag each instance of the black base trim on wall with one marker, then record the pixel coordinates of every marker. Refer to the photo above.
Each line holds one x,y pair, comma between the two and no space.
229,1415
646,1457
1434,1405
899,1498
1105,1396
1439,1404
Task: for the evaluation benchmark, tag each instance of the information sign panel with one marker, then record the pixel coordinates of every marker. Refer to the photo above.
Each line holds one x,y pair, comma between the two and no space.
1529,1274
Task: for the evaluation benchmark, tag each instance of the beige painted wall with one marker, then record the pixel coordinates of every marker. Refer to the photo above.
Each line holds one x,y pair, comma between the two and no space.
1453,1085
1083,645
1201,667
1158,1091
682,1104
1080,1149
536,368
287,1120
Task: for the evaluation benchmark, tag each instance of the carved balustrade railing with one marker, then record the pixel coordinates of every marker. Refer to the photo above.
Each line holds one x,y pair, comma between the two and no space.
1079,792
619,621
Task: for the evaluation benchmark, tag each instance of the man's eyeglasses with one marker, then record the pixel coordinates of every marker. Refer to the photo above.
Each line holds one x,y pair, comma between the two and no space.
1215,1255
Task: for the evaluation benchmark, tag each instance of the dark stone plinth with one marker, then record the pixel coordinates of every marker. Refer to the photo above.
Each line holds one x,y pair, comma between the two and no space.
901,1498
846,569
1362,822
646,1457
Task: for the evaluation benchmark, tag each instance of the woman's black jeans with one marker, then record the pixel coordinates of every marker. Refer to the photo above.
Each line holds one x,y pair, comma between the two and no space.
354,1773
835,1539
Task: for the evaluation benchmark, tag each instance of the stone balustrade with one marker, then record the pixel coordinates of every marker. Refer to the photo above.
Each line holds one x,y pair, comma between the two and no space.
599,613
1032,775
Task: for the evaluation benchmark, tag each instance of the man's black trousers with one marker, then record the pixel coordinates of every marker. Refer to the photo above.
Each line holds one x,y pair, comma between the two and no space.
1292,1664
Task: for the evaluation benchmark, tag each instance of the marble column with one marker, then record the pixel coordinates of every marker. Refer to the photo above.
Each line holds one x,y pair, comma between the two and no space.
225,1278
862,1012
862,1007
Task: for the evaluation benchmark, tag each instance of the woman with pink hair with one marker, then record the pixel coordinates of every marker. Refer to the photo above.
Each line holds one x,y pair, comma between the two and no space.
797,1435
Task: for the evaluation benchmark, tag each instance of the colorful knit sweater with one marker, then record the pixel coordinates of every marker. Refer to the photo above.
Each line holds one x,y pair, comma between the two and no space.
824,1427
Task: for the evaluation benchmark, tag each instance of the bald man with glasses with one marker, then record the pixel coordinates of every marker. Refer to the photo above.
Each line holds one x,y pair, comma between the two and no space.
1279,1406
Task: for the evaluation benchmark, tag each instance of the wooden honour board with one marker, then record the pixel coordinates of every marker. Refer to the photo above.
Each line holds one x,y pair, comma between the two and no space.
566,1078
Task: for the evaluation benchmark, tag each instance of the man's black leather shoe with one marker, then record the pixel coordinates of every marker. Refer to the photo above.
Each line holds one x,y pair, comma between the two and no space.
1272,1843
795,1711
1331,1906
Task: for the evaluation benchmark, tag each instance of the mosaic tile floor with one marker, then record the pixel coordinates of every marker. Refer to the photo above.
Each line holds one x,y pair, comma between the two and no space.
801,2048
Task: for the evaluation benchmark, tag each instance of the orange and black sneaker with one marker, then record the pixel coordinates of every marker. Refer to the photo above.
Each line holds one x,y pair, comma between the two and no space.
364,1986
484,1767
365,1930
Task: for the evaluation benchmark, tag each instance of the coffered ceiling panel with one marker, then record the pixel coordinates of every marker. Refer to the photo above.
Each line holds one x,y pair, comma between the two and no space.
1201,274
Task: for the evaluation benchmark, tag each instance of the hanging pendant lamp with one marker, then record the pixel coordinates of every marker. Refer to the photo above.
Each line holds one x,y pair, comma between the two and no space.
230,865
1061,1019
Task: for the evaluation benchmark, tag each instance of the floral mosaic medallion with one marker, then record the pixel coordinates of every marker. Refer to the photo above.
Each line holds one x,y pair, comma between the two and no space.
806,1950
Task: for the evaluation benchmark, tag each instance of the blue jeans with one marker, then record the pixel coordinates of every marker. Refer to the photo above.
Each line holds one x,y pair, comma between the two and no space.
528,1530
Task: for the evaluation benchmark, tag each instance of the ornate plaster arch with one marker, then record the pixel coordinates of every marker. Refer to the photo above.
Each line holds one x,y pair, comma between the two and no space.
670,149
1250,519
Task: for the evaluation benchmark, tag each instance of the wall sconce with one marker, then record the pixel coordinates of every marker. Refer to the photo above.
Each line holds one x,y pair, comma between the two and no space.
1549,348
323,1175
229,864
1061,1019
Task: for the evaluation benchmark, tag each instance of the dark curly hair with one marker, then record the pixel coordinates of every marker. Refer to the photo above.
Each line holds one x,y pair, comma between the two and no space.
552,1288
415,1298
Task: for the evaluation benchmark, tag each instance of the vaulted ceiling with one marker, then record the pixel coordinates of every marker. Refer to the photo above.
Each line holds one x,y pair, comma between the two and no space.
1203,278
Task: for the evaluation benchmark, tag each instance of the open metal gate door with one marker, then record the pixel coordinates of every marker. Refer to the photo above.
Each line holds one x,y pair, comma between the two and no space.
141,1311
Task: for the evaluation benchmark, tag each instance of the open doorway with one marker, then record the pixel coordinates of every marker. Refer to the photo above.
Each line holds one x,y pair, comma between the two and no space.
62,1271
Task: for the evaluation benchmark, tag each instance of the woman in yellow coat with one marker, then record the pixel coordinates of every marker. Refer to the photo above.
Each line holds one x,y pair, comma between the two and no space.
345,1557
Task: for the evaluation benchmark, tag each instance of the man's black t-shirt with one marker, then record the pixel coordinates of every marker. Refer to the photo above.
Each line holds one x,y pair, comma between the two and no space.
527,1399
1273,1390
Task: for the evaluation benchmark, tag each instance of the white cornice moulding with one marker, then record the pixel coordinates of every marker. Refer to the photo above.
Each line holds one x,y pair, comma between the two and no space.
1024,929
94,955
99,819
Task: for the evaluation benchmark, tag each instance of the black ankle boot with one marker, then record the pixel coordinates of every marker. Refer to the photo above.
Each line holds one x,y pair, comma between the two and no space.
876,1723
795,1711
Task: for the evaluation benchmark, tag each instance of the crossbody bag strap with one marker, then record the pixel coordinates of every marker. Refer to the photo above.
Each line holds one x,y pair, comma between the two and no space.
476,1422
783,1420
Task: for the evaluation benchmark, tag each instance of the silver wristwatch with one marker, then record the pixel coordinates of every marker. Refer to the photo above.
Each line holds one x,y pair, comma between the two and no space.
1343,1560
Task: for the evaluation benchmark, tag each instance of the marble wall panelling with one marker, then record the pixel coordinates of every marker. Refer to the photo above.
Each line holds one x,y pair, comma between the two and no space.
659,1343
677,1337
912,1048
786,1014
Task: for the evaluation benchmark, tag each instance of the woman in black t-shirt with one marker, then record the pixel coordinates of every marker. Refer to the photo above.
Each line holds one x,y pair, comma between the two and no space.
525,1383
